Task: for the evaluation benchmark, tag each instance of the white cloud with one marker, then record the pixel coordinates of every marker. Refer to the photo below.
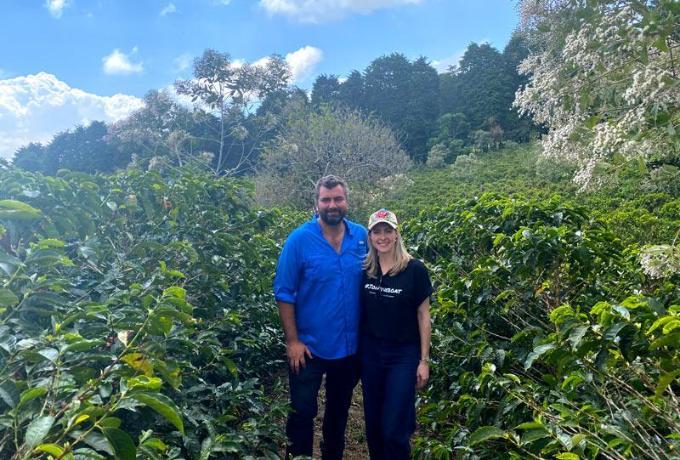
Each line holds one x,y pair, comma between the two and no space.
56,7
168,9
182,62
303,61
317,11
442,65
118,63
34,108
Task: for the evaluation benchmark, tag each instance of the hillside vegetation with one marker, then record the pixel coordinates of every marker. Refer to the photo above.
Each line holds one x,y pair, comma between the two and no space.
136,317
550,338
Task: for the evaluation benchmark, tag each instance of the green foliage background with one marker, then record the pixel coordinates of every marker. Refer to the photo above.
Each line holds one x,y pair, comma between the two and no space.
136,318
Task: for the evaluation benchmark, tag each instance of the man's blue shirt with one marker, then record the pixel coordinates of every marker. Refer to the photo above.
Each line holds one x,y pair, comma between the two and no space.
323,286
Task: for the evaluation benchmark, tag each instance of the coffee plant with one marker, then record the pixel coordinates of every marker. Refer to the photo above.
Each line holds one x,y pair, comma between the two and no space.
136,318
549,340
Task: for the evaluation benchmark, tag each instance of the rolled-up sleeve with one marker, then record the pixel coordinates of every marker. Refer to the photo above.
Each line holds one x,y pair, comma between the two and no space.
287,272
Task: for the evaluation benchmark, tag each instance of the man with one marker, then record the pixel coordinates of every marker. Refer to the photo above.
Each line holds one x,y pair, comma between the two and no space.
317,291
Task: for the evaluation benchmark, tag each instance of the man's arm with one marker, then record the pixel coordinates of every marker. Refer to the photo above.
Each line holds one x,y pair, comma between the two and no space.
295,350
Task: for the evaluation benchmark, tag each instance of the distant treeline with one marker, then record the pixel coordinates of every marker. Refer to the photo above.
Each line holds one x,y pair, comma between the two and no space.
467,107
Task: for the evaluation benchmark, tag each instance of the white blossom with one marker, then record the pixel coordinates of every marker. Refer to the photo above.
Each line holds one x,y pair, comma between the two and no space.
600,83
660,261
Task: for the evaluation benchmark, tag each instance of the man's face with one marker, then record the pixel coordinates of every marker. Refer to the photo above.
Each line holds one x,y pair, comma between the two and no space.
332,205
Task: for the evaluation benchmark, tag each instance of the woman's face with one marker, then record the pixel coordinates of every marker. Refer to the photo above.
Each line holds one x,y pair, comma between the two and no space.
383,238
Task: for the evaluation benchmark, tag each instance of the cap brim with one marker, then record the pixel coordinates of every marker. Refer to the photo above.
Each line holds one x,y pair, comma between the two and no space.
391,224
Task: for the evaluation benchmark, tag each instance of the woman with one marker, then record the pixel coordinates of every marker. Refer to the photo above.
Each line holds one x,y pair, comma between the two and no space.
395,299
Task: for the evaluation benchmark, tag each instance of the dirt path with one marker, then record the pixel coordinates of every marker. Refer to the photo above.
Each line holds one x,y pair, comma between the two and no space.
355,442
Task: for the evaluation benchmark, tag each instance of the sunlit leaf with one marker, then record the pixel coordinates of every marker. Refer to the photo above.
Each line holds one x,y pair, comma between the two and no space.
485,433
38,429
161,404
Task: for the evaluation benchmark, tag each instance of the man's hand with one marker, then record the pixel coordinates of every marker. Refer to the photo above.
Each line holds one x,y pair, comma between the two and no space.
296,352
422,374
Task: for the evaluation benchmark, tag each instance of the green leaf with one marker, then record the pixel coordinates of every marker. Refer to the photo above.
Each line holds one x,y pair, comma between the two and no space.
9,393
567,456
138,362
30,395
8,263
530,426
109,422
50,354
144,382
577,335
660,322
122,443
661,44
82,345
665,380
156,443
175,291
530,436
163,405
95,440
485,433
17,210
8,298
38,429
671,325
538,351
671,340
53,449
613,331
593,121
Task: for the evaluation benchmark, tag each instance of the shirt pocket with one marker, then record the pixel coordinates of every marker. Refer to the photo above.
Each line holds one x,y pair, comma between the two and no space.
320,269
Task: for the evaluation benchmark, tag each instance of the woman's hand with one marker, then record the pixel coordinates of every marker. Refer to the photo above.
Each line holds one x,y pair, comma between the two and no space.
422,374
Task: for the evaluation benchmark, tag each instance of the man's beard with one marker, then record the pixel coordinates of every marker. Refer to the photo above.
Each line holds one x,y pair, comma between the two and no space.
332,216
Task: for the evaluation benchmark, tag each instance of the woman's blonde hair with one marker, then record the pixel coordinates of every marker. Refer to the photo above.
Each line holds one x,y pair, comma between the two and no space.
401,256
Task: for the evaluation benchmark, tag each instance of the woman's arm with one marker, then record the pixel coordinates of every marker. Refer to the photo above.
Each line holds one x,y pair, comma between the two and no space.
425,331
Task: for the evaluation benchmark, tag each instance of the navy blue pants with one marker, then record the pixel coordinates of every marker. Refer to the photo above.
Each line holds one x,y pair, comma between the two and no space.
341,377
388,379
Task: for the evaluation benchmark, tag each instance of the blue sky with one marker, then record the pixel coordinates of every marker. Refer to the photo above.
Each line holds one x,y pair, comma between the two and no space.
65,62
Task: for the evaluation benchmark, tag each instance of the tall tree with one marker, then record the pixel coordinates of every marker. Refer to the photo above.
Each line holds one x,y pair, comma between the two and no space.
228,91
33,157
351,92
147,132
330,140
405,95
326,90
87,149
84,148
422,108
483,84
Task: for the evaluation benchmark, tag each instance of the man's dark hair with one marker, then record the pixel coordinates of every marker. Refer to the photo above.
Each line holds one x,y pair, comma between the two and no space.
329,182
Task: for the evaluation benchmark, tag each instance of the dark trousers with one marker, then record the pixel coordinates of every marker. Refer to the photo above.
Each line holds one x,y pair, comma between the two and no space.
341,378
388,378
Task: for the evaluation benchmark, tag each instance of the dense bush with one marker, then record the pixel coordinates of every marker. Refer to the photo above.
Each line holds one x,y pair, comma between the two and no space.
549,340
136,318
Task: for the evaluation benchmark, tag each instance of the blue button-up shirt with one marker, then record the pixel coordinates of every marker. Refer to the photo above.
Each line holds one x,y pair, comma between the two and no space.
323,286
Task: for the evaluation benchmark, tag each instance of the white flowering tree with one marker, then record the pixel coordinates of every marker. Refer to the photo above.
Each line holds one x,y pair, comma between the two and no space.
604,78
